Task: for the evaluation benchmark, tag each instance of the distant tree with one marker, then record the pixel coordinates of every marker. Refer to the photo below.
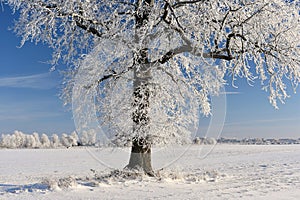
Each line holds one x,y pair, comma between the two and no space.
30,141
45,142
55,141
19,138
66,141
88,138
69,140
37,139
8,141
155,61
74,137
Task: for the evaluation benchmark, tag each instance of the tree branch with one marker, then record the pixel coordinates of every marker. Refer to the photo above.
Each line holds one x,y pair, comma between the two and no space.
183,3
105,77
80,21
88,29
165,58
189,49
114,74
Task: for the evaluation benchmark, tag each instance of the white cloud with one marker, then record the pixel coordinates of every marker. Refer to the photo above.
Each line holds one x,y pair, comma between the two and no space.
36,81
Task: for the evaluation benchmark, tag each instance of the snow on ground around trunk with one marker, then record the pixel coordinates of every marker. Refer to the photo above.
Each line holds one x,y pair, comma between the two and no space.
226,172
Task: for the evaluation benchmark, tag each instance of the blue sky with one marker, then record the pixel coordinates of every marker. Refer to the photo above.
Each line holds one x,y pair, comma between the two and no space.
28,91
29,97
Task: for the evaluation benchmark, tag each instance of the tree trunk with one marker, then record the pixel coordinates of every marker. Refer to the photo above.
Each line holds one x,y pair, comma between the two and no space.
140,157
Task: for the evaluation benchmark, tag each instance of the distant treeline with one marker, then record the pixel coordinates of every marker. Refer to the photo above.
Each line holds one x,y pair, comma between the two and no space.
245,141
21,140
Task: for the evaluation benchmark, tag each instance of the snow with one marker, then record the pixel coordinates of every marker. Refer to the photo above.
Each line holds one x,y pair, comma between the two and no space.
203,172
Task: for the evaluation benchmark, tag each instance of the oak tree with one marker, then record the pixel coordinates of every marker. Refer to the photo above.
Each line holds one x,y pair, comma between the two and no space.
151,64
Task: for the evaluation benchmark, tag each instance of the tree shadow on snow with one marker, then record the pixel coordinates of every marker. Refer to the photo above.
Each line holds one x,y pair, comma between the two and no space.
15,189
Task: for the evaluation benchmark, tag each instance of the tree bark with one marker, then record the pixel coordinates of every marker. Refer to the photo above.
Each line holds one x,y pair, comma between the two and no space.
140,157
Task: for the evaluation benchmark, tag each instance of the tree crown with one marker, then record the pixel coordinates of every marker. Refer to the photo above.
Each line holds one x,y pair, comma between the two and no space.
192,44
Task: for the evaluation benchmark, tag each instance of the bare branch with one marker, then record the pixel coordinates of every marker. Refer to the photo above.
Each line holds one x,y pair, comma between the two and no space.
88,29
183,3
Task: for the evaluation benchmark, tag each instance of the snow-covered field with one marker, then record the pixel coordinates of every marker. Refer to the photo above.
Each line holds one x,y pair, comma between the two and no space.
227,172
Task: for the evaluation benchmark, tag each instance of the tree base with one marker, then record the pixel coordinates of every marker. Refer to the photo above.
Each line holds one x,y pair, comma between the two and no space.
140,158
150,173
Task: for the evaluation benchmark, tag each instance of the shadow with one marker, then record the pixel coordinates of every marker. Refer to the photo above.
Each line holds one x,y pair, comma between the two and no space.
15,189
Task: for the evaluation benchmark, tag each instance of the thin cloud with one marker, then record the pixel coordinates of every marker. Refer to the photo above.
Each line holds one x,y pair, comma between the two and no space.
29,116
36,81
35,109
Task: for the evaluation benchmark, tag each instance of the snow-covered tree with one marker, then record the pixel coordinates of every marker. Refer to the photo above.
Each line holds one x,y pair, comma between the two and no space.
154,62
55,141
45,142
69,140
7,141
37,139
88,138
30,141
65,140
18,140
74,138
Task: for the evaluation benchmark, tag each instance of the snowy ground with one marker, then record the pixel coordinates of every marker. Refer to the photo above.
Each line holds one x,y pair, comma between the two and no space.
227,172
